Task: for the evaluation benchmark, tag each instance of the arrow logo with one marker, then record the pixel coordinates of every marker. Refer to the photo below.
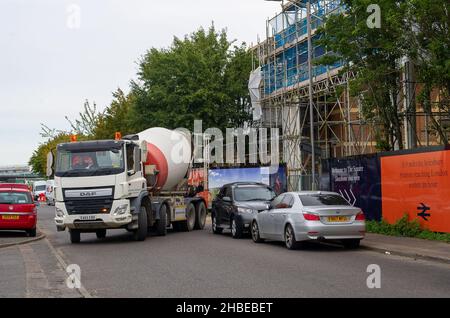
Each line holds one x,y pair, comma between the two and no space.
423,214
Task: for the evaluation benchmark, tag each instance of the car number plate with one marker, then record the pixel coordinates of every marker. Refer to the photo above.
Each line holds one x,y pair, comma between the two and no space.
338,219
10,217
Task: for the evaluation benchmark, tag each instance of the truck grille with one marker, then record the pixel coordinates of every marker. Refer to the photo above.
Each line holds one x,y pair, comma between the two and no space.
89,206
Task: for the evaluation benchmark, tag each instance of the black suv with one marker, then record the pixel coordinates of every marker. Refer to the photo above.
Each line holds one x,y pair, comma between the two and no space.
235,204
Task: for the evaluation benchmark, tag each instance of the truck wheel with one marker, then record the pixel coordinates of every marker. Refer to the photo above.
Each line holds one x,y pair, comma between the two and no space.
75,236
31,233
188,225
215,228
101,234
141,233
161,224
200,216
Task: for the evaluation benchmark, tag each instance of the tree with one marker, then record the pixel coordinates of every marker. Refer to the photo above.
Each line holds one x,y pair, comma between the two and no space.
87,122
117,117
429,38
38,160
373,54
198,77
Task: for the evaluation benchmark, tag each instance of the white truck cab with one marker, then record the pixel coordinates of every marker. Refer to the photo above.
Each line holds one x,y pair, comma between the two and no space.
102,185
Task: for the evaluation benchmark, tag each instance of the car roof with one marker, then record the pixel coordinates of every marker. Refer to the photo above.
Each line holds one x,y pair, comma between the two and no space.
314,192
234,184
14,187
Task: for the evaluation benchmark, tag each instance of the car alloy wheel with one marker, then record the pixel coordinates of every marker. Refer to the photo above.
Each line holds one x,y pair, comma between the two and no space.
255,231
289,237
214,224
233,227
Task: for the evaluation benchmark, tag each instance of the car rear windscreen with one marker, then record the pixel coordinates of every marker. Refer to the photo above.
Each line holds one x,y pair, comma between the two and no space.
253,193
15,198
322,199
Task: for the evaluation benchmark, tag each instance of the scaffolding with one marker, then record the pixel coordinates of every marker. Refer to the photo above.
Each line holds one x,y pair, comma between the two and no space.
285,98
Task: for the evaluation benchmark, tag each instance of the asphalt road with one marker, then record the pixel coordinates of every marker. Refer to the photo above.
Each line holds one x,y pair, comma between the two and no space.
201,264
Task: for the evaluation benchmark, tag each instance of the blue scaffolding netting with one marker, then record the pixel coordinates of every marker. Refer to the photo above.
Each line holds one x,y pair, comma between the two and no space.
290,66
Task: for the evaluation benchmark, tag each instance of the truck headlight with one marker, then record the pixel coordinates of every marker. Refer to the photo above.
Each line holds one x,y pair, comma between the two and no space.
59,213
121,209
245,210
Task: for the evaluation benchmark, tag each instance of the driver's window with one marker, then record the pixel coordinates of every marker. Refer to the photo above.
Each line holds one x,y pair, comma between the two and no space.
276,202
287,202
130,157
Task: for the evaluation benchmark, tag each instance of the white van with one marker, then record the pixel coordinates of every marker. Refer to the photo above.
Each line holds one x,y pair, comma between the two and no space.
49,192
39,187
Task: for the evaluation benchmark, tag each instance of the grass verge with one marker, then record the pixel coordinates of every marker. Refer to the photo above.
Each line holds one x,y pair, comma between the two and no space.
404,227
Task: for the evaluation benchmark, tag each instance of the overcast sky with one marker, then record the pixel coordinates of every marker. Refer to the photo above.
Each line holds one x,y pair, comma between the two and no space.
51,61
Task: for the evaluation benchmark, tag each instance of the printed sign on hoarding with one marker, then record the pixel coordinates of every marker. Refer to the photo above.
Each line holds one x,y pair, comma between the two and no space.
417,185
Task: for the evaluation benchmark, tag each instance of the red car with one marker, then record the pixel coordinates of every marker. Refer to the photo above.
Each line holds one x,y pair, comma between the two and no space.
18,211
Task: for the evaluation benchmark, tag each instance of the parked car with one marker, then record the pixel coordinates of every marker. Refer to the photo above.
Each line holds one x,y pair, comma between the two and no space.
49,192
39,188
17,209
235,204
296,217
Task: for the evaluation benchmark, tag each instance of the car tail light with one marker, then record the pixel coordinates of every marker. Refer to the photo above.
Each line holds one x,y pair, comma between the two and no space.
360,217
311,217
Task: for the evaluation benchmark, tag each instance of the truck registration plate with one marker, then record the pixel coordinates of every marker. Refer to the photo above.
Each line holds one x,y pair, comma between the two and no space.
87,217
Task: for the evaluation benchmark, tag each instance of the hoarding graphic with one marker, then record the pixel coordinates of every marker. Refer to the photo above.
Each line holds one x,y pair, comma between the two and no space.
417,185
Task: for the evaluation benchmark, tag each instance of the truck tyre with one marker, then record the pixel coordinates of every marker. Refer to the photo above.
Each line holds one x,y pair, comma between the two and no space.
200,216
215,228
75,236
101,234
161,224
141,233
188,225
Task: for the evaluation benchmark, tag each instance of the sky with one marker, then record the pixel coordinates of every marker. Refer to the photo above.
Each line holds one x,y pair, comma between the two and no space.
55,54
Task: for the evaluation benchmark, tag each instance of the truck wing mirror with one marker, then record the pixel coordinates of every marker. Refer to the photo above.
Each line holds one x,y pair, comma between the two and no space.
49,172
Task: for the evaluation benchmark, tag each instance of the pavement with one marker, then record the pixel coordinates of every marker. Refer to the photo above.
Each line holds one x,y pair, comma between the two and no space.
410,247
201,264
11,238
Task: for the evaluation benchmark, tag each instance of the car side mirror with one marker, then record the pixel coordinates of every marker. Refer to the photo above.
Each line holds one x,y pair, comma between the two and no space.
226,199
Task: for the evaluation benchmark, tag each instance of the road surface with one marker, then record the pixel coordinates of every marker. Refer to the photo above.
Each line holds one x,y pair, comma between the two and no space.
201,264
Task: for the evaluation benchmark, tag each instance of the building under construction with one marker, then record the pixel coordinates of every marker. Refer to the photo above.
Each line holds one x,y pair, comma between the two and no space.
283,95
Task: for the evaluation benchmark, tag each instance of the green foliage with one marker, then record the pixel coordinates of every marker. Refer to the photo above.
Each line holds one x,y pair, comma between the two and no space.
202,76
373,55
418,29
198,77
430,51
116,117
38,160
87,122
404,227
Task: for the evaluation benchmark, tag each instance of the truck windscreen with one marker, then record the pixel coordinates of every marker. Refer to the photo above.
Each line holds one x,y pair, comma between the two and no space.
89,162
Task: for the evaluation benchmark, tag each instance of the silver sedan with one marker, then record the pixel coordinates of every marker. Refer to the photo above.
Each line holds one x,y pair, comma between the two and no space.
296,217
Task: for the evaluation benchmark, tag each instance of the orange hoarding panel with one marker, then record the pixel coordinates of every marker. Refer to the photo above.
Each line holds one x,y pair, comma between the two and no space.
417,185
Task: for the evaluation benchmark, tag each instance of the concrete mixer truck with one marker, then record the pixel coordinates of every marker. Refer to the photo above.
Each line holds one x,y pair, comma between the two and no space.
137,183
